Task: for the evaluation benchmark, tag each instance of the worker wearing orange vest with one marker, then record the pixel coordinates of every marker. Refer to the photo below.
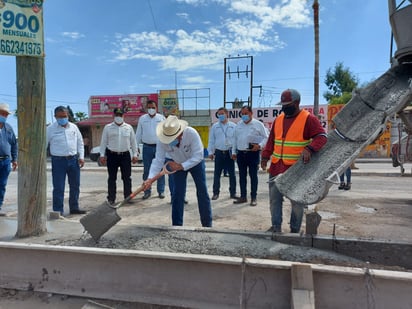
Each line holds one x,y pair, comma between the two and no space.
295,135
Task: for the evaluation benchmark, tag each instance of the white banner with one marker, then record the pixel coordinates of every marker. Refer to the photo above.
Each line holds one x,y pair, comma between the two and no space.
21,28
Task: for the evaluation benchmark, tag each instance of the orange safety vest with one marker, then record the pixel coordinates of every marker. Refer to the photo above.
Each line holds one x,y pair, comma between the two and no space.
289,147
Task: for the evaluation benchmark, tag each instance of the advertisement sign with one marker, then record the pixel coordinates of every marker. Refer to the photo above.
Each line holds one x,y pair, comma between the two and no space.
21,28
168,102
268,114
131,104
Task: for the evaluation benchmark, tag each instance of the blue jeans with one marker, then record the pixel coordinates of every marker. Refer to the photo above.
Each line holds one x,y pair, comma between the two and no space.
276,204
178,198
149,152
248,160
5,169
223,161
62,166
348,174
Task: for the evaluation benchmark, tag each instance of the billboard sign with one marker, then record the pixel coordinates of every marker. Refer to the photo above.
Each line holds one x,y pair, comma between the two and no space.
131,104
21,28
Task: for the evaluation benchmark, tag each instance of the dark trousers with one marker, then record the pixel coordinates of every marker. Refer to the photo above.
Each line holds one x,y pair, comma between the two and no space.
178,198
224,161
248,160
149,152
114,161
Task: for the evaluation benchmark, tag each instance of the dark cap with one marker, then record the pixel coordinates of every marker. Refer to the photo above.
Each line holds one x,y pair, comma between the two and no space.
118,111
289,96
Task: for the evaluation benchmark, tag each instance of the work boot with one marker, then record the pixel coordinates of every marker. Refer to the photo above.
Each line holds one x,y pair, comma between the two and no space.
347,186
342,186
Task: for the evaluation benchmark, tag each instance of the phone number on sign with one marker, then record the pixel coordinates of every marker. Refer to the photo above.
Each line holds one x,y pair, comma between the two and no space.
20,48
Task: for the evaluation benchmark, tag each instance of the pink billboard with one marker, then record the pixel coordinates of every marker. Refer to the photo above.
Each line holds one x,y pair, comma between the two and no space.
131,104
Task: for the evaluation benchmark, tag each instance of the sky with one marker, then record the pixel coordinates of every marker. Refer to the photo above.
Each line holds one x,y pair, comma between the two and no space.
101,47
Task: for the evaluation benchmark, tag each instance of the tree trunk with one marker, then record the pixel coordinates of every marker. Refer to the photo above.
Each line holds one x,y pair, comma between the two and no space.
316,81
31,107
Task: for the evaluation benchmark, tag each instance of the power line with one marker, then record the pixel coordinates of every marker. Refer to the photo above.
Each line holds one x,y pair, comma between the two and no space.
153,18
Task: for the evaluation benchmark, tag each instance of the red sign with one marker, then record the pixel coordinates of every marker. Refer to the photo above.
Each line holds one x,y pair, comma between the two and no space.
131,104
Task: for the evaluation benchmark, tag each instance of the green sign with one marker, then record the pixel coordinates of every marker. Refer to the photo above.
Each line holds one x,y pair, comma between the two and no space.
21,28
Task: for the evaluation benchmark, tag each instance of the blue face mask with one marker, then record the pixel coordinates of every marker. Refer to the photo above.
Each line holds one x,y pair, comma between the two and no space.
62,121
221,117
245,118
174,143
3,119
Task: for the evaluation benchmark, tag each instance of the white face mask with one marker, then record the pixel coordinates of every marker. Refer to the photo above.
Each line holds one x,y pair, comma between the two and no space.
151,111
118,120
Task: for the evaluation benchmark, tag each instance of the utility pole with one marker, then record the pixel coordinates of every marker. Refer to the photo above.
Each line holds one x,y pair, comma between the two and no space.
315,7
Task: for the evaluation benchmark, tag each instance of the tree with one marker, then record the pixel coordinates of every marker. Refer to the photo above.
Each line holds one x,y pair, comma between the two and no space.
79,116
339,81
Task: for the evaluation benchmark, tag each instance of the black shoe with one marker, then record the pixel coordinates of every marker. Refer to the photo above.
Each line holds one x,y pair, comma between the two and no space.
240,200
186,201
146,195
77,212
161,195
347,186
111,203
215,197
341,186
275,229
234,196
253,202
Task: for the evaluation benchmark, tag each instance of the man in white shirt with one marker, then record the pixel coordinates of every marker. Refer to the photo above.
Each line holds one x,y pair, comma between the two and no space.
67,156
146,134
185,148
221,137
250,138
118,149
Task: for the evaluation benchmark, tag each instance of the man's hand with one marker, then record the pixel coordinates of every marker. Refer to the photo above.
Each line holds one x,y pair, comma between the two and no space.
264,164
175,166
255,147
306,155
134,160
14,165
81,163
212,157
103,160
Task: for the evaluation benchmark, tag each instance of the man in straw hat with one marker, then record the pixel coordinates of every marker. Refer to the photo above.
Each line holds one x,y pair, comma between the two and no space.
185,148
8,151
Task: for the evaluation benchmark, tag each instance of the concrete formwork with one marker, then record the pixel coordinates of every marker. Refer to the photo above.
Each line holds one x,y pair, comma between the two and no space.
195,281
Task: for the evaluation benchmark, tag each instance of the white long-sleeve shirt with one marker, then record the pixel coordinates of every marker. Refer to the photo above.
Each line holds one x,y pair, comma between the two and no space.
65,141
189,153
146,129
252,132
118,139
221,136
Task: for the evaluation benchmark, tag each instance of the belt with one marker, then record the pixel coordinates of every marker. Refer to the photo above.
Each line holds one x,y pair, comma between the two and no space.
150,145
117,152
66,157
243,151
222,151
4,157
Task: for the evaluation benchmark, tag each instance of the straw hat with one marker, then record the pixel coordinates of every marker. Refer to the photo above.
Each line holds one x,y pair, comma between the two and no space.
169,129
5,107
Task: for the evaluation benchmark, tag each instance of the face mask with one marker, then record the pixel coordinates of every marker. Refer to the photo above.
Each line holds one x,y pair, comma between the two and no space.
62,121
174,143
151,111
289,110
118,120
3,119
221,117
245,118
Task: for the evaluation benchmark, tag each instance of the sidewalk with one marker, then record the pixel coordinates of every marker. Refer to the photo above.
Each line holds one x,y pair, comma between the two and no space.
364,167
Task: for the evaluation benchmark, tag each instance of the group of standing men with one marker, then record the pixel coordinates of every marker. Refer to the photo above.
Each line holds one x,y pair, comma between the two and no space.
295,134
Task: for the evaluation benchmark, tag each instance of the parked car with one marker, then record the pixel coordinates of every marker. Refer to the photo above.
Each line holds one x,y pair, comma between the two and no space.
95,154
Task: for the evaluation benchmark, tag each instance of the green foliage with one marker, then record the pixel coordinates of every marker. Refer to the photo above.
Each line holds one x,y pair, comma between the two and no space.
343,99
339,81
79,116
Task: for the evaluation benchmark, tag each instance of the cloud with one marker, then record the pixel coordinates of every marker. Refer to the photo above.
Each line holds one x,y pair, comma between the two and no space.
245,27
73,35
